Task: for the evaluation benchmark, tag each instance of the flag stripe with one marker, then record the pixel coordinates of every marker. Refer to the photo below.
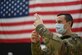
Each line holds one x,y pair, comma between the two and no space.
25,27
55,4
65,8
31,18
31,22
25,40
16,31
28,31
56,12
73,29
15,36
27,36
48,1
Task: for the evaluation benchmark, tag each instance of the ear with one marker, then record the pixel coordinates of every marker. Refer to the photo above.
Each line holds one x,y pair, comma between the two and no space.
69,23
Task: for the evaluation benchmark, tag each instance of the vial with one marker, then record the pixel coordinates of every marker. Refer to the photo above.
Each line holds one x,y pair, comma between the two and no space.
10,53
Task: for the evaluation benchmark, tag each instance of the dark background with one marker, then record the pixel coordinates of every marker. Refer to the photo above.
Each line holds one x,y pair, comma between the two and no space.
15,48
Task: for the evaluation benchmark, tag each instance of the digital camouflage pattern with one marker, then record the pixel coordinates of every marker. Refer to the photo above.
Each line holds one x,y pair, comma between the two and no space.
64,45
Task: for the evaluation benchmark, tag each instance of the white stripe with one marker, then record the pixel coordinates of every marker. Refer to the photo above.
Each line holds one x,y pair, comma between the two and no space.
48,1
79,33
76,16
74,25
77,25
20,36
55,8
15,28
16,36
30,27
31,18
54,17
18,19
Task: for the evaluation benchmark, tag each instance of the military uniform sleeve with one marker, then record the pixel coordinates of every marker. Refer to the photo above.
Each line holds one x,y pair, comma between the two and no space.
80,47
53,42
43,31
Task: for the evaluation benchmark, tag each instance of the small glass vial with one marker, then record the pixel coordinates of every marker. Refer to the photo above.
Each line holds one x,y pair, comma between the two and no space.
10,53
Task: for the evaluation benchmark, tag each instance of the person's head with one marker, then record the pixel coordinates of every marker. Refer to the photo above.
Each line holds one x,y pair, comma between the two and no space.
64,23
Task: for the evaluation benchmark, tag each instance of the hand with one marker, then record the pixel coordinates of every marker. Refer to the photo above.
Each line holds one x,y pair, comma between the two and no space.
35,37
37,20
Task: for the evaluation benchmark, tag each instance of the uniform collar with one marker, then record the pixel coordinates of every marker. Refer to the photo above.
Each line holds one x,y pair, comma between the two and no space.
68,36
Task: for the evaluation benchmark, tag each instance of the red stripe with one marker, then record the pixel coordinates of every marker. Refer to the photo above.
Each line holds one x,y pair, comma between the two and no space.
56,12
16,23
74,30
78,20
28,40
15,40
16,32
77,29
29,31
55,4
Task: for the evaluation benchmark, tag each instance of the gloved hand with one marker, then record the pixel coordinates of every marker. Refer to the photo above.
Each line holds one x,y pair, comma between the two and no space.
38,20
35,37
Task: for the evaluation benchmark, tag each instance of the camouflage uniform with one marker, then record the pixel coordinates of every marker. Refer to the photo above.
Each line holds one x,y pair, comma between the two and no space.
64,45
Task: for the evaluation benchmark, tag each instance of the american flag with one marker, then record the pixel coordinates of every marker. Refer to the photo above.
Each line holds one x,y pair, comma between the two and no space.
16,17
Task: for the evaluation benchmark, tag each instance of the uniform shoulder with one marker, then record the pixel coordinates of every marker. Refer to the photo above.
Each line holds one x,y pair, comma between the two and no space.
57,36
76,36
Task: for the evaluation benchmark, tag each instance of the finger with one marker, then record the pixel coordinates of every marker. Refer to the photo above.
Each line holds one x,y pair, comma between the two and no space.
36,16
35,38
34,35
34,25
34,32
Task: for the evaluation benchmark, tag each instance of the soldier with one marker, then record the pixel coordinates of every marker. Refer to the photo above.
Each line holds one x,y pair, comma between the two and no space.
68,43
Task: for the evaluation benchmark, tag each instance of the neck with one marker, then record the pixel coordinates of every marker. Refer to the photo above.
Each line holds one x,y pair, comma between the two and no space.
69,32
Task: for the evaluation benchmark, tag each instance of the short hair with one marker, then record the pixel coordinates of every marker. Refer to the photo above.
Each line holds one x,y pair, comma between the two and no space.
68,17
